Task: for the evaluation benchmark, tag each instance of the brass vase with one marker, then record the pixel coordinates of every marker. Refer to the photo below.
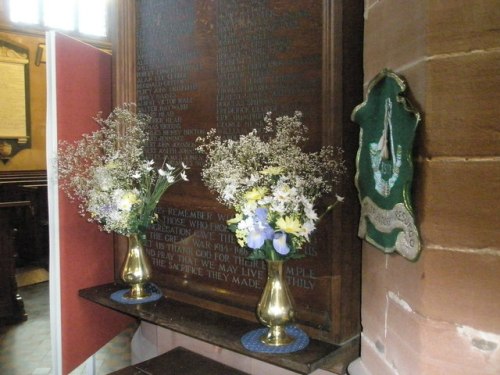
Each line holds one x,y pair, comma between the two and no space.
275,308
136,270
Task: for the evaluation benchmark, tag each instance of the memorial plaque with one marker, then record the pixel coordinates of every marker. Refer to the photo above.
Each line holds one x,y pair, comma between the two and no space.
223,64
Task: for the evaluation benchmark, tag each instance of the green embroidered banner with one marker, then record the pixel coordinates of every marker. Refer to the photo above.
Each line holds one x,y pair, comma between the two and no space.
384,166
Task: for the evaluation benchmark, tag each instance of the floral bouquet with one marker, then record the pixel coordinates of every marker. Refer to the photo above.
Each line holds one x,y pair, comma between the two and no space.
107,174
272,184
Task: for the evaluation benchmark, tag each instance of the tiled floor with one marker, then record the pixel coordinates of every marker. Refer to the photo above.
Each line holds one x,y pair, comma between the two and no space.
25,347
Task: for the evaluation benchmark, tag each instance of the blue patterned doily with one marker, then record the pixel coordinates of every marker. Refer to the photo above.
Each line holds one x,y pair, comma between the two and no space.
156,294
251,341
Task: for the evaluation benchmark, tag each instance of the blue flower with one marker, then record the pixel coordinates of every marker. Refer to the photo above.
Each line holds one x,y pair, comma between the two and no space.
261,230
256,239
279,243
261,215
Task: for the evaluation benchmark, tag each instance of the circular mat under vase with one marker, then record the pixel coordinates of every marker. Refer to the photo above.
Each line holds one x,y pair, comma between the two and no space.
251,341
119,296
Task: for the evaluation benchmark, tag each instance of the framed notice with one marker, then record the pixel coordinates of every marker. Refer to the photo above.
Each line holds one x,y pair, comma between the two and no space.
223,64
14,99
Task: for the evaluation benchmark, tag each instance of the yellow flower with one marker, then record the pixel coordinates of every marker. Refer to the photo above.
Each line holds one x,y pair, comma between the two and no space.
131,197
127,201
110,165
255,194
240,238
235,219
289,225
273,171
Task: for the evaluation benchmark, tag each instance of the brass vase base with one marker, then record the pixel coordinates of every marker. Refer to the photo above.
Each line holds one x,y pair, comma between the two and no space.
137,292
277,336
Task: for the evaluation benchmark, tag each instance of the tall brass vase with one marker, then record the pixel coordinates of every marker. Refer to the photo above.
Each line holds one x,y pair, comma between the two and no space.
275,308
136,269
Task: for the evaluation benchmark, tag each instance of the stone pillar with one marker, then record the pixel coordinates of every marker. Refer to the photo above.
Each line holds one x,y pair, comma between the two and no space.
440,315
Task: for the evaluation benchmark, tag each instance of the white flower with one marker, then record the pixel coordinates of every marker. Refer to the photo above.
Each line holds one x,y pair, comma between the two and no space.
339,198
228,192
307,228
116,176
169,167
266,201
271,173
252,180
184,176
117,194
246,225
115,216
184,166
125,200
310,213
309,209
148,166
278,207
249,208
103,179
283,193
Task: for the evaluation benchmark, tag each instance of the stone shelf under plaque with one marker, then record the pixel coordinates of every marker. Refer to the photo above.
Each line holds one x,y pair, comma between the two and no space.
225,331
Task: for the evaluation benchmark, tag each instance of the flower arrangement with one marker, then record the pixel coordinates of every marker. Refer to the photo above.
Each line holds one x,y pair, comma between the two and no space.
272,184
107,173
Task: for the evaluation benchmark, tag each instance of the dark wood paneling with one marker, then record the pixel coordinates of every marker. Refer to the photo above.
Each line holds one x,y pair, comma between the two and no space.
223,64
11,304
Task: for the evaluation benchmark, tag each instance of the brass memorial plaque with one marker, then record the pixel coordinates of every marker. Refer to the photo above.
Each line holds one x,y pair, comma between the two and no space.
224,64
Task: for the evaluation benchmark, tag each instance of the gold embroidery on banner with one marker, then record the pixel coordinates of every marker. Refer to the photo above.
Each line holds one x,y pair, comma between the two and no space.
385,221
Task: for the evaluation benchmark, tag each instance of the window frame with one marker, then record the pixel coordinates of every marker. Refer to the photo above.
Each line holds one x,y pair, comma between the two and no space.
40,28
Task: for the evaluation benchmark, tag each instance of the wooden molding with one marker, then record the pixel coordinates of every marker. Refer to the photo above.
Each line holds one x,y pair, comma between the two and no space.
124,54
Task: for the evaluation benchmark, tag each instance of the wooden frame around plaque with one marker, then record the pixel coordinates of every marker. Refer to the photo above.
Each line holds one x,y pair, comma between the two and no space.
341,89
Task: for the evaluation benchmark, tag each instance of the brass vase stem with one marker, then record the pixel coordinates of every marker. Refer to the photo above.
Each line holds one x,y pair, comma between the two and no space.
136,270
275,308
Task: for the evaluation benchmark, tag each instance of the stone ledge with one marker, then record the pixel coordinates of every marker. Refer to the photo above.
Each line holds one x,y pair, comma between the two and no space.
224,331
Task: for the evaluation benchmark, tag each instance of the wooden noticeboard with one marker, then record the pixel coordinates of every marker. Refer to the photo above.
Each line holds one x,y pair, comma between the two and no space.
223,64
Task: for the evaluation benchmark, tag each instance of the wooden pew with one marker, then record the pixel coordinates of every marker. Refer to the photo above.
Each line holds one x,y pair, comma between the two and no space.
31,242
11,303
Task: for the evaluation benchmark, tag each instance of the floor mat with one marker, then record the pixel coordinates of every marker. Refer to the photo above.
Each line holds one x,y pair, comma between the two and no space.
30,275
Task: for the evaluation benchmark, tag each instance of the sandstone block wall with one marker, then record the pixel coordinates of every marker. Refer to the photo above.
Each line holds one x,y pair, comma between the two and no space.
441,314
